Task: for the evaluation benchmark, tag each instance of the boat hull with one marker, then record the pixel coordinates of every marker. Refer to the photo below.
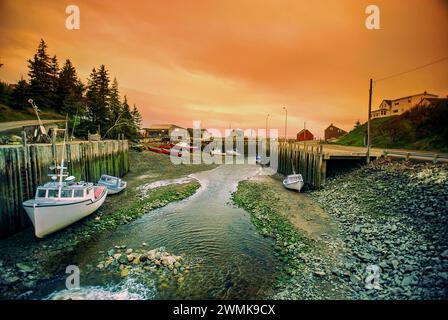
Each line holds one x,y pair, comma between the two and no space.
294,182
297,186
115,190
49,218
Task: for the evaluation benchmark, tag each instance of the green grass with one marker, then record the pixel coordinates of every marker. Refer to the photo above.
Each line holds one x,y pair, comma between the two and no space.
8,114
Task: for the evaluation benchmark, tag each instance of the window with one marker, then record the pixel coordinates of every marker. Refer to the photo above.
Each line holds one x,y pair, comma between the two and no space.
66,193
79,193
397,103
396,111
52,193
41,193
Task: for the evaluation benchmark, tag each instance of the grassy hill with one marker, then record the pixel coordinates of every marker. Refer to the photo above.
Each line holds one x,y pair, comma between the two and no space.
421,128
9,114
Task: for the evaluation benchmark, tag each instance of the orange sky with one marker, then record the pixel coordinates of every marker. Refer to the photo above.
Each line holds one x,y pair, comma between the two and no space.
224,62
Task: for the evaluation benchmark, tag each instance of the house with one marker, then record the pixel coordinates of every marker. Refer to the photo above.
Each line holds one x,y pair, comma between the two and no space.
401,105
432,101
205,135
160,132
304,135
333,132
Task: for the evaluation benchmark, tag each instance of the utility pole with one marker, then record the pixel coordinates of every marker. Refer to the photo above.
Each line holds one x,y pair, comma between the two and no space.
368,123
286,121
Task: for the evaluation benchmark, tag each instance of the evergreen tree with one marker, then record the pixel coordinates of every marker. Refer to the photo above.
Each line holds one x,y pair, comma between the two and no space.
54,73
20,95
114,100
137,120
98,97
40,74
69,91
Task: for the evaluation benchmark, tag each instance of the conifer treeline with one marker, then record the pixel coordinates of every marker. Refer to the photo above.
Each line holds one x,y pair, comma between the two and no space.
92,107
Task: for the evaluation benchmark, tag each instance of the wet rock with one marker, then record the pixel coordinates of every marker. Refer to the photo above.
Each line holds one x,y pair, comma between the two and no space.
23,267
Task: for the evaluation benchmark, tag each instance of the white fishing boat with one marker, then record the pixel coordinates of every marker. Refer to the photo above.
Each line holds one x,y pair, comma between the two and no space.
62,201
293,182
113,184
217,152
233,153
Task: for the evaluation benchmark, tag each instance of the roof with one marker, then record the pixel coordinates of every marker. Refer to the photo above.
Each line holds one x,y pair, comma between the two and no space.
303,130
436,100
332,125
415,95
167,126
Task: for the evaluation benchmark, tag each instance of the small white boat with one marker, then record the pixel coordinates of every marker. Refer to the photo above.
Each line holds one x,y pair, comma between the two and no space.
233,153
113,184
217,152
293,182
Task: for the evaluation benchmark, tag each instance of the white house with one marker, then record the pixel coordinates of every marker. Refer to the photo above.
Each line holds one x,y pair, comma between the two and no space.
400,105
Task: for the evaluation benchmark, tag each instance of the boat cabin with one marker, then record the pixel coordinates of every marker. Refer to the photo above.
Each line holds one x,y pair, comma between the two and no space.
109,180
50,191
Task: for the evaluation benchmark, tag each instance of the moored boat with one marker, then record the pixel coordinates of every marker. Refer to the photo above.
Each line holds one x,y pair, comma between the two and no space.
61,202
113,184
57,206
293,182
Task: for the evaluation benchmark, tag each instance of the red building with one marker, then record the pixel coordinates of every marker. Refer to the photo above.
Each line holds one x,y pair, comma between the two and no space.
305,135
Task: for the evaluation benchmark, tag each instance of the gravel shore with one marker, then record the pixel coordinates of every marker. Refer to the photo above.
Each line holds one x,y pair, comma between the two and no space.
392,214
390,239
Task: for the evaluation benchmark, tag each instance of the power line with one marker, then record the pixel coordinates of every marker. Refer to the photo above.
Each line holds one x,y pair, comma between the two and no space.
412,70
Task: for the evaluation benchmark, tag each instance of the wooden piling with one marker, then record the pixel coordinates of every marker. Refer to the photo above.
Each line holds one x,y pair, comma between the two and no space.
24,167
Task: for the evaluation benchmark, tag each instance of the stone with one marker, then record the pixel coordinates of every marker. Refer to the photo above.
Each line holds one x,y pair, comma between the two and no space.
319,273
24,267
409,280
117,256
124,272
445,254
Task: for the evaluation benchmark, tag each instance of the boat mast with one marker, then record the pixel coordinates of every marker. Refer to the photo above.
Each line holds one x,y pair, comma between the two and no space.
61,172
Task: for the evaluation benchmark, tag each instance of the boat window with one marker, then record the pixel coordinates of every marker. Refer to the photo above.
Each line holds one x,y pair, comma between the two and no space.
41,193
66,193
79,193
52,193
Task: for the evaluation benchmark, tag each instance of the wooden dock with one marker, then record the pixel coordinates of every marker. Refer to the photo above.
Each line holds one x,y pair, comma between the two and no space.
311,159
24,167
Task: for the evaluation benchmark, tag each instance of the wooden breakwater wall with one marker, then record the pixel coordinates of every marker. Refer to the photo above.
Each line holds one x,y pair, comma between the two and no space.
24,167
308,160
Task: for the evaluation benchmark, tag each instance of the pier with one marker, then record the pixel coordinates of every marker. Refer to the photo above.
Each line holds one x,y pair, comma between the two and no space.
24,167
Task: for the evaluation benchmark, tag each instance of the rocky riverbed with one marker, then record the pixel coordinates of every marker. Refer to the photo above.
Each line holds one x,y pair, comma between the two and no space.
391,240
392,214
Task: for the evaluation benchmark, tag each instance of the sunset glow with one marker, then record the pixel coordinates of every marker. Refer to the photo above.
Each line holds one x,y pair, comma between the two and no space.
233,62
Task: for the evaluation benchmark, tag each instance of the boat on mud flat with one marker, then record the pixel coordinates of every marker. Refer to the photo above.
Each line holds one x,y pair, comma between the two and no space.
113,184
217,152
262,161
58,205
293,182
61,202
233,153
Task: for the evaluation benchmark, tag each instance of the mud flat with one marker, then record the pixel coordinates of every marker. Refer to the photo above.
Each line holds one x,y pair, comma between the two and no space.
26,260
391,215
